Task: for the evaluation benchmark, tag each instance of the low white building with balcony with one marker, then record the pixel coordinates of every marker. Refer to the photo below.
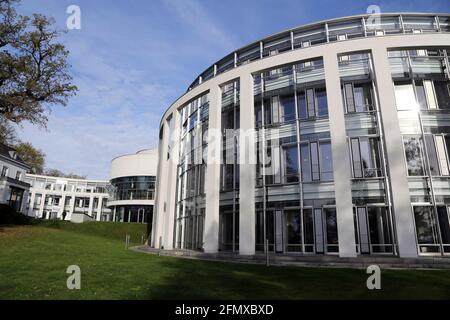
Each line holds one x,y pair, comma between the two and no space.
76,200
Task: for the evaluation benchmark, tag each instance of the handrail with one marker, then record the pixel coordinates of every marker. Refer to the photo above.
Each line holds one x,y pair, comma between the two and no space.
243,56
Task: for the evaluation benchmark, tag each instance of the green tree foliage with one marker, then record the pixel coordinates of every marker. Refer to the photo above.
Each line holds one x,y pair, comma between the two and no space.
35,158
34,73
58,173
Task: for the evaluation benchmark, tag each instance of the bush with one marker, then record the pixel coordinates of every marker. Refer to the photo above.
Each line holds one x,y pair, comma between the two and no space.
9,216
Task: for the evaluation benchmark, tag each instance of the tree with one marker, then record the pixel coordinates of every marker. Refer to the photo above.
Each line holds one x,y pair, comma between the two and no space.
35,158
53,173
33,66
75,176
8,133
58,173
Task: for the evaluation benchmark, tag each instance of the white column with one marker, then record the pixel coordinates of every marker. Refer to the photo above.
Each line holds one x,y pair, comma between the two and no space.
62,202
99,208
71,206
341,158
114,214
162,197
91,205
41,207
32,199
172,178
212,181
401,202
247,172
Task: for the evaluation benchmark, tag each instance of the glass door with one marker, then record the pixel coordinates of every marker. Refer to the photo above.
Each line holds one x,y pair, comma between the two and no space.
319,232
364,245
279,231
331,232
444,226
426,230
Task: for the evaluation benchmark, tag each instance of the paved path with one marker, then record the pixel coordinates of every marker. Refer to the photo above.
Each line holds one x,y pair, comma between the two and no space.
386,262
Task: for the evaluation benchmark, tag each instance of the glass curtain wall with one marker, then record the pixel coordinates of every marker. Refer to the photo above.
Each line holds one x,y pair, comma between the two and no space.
134,188
229,175
422,92
370,188
294,175
191,174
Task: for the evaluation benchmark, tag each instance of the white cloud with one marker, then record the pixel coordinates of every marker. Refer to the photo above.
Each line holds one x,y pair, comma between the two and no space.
116,111
197,19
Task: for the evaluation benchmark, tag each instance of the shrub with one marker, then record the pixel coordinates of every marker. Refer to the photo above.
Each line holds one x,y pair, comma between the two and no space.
9,216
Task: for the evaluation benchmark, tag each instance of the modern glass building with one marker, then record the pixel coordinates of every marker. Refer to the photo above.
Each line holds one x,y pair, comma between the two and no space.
132,180
330,138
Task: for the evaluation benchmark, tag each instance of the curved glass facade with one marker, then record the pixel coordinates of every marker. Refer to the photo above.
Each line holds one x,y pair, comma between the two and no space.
133,188
351,144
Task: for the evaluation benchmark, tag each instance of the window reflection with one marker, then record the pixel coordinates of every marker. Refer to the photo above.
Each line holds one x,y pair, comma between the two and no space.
413,154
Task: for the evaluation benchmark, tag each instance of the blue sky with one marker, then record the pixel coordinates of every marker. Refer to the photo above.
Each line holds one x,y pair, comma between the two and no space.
131,59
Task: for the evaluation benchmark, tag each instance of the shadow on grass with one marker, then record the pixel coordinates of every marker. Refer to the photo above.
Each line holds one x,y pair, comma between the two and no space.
194,279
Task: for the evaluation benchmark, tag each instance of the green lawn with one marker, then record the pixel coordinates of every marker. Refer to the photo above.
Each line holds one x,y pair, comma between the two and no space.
33,262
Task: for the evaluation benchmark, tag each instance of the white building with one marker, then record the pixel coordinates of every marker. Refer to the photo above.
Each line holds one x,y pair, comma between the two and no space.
76,200
133,179
329,138
13,188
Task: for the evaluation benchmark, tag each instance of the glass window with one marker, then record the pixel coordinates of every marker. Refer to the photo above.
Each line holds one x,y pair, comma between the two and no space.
441,89
301,100
404,96
357,169
311,102
258,115
432,156
370,158
315,169
443,161
426,231
291,164
308,229
421,98
379,229
306,162
322,104
267,111
413,154
326,161
293,230
363,97
444,226
287,108
428,86
228,119
349,97
331,229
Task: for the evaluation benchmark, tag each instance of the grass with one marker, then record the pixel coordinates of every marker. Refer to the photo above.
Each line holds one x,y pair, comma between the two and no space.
34,259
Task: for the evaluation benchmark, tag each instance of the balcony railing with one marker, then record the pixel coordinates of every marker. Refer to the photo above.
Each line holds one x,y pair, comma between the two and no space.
329,31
